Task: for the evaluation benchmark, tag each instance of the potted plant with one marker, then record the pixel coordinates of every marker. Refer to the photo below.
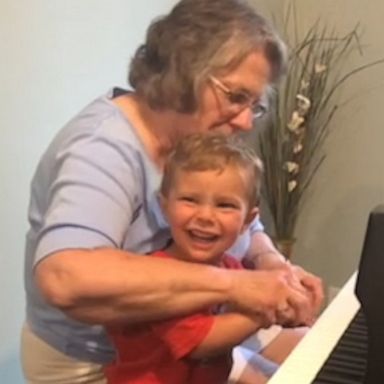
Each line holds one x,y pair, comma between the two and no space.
302,106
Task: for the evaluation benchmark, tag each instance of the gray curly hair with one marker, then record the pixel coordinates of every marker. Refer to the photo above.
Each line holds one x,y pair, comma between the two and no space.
199,38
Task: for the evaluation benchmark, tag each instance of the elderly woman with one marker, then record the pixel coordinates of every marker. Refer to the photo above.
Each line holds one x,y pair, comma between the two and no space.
94,213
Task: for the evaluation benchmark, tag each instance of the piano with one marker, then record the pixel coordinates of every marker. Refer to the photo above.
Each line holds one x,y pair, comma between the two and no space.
346,344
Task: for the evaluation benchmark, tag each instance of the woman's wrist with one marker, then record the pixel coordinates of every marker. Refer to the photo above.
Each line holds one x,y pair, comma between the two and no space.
222,282
270,259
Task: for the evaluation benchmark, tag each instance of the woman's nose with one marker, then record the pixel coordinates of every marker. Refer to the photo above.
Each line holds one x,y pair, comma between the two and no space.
243,120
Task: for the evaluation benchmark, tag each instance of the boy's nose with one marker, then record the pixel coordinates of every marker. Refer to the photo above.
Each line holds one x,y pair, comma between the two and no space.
205,212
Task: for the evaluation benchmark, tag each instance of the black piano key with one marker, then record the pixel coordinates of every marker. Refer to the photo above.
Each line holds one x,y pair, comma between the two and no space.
347,362
338,380
345,365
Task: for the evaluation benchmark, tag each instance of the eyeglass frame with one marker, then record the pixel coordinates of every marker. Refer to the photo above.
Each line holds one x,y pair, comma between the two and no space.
258,108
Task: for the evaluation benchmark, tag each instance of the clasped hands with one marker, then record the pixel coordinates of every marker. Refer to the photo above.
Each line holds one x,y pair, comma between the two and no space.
302,304
288,295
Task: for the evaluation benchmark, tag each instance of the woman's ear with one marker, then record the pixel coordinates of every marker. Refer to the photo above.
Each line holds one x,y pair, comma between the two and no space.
251,215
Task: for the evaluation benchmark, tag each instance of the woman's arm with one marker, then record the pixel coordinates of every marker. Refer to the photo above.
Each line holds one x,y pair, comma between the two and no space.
113,286
263,254
105,286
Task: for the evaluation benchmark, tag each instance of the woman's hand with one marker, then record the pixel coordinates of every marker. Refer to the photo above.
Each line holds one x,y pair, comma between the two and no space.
277,295
312,284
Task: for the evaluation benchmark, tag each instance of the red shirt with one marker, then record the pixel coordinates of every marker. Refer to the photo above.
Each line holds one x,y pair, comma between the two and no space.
157,352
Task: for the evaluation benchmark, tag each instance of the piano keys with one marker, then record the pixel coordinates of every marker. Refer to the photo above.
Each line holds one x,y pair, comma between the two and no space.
347,362
346,344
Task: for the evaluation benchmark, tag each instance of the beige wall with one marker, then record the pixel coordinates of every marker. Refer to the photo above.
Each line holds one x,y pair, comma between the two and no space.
332,225
55,56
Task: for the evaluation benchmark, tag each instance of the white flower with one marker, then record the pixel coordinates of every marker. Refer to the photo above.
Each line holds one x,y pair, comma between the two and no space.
303,103
296,121
291,167
320,68
298,147
292,185
304,85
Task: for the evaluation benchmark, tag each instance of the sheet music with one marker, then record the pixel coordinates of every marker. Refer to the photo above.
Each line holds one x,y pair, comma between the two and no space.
307,358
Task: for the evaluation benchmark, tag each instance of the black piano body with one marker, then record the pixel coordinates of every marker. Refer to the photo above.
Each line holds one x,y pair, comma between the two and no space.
358,356
370,292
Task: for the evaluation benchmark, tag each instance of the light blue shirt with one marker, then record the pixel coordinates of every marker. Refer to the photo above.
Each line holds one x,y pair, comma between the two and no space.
94,187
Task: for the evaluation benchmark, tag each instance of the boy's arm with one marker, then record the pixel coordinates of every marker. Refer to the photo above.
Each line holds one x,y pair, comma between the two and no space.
227,331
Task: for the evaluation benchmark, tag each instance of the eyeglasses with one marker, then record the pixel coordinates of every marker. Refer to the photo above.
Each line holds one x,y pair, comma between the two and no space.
241,100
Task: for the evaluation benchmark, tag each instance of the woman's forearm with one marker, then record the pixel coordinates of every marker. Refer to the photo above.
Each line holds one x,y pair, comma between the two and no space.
263,254
106,286
111,286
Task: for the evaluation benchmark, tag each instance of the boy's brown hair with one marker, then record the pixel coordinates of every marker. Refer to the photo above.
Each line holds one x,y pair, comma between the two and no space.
205,152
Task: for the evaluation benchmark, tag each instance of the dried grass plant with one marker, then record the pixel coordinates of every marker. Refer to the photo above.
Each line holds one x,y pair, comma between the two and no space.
303,106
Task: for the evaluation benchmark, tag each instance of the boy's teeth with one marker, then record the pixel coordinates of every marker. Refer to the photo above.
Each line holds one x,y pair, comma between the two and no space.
202,236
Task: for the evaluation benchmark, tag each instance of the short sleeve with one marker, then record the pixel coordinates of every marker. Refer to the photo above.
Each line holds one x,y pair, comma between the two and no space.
182,335
241,246
93,197
256,225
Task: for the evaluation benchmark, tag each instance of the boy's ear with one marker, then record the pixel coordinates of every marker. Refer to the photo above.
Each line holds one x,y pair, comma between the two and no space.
251,215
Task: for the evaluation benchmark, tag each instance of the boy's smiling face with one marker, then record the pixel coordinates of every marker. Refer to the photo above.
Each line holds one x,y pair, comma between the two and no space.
207,210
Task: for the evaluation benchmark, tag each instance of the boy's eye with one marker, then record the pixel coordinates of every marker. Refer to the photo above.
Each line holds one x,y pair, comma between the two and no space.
227,205
188,199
